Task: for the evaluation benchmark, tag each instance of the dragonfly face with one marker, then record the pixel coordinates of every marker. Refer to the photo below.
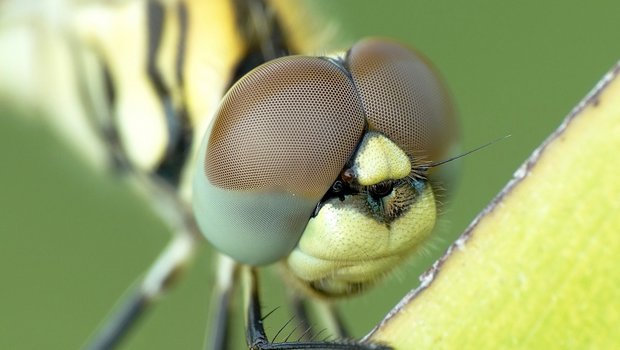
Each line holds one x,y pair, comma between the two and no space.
320,162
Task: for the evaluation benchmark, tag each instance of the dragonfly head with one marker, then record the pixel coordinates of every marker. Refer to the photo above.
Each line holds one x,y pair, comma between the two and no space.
319,162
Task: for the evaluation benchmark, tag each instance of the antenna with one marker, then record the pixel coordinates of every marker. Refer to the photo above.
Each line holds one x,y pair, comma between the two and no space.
431,165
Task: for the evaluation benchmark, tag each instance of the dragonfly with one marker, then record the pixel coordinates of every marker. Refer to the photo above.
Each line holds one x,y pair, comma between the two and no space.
157,106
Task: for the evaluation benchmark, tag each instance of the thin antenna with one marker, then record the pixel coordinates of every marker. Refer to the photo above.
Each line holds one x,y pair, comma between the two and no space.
426,167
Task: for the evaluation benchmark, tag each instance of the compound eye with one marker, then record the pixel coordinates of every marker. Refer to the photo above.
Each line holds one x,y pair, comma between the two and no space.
281,137
404,98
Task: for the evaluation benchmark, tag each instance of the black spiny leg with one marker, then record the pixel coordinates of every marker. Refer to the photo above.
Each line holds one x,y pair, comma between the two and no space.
257,338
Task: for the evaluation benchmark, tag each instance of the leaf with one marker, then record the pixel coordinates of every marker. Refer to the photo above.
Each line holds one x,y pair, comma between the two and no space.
539,268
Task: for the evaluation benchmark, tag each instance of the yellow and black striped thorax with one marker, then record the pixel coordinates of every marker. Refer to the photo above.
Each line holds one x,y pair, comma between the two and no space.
154,71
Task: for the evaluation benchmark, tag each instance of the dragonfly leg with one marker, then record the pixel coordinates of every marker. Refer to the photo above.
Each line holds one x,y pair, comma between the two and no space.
220,303
327,312
300,309
255,331
331,317
165,201
157,279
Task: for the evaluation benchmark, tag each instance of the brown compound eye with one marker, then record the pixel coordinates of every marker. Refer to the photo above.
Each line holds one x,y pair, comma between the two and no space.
404,98
281,137
285,131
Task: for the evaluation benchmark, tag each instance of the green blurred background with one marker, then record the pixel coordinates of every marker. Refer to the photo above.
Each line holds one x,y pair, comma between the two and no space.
72,241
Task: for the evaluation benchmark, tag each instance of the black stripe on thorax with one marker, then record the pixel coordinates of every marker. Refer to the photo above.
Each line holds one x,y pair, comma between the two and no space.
263,32
177,121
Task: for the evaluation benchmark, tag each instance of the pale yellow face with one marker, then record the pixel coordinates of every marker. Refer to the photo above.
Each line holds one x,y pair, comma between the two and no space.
353,242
